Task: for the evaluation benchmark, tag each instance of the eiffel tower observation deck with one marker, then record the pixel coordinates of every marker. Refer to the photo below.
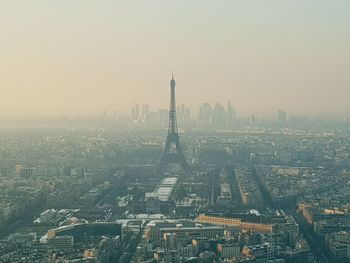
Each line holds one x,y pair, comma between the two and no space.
172,152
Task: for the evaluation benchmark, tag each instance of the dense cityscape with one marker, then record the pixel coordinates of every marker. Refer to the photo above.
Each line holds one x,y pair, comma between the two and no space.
230,190
174,131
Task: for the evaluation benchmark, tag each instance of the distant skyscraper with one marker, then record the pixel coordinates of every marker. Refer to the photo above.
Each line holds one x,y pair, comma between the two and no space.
145,110
163,117
219,116
252,119
282,116
135,113
205,114
182,114
187,118
182,108
230,114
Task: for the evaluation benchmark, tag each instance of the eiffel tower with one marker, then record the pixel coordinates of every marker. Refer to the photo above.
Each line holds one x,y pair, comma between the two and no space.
172,152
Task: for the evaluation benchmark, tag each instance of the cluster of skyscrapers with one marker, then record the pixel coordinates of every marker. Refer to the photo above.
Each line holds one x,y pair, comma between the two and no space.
207,115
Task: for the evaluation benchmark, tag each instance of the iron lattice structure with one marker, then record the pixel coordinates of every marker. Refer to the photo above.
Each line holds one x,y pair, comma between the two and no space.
172,151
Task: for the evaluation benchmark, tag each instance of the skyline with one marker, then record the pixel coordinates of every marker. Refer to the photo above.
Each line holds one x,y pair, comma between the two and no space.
175,131
83,57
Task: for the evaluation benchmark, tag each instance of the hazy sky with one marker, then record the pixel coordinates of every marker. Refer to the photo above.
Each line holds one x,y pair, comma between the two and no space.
81,56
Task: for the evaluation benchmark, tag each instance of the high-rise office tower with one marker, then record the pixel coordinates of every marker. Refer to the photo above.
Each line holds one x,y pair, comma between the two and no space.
205,114
135,113
219,116
187,117
230,114
145,110
252,119
282,116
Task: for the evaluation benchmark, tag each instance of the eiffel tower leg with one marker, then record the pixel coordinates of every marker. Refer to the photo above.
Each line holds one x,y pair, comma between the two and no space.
177,157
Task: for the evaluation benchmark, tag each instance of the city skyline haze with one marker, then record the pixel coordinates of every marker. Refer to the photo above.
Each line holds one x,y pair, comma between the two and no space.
85,56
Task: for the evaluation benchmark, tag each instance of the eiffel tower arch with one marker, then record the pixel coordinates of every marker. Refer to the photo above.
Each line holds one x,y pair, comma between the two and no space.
172,152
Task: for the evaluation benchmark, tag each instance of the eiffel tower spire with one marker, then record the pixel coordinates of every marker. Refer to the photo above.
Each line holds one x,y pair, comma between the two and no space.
172,151
172,113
